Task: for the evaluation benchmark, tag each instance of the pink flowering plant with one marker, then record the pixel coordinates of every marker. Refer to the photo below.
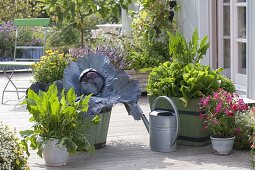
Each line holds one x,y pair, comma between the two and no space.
219,111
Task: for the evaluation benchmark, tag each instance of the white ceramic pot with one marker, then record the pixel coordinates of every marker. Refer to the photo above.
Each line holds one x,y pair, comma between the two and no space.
223,145
55,154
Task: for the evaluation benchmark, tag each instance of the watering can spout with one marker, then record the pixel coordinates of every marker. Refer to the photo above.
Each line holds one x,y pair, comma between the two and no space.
146,122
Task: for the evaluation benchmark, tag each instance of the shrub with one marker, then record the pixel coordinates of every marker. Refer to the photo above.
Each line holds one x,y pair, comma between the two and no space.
11,151
50,67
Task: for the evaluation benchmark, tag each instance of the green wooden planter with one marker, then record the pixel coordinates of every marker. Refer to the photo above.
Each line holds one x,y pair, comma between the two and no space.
191,131
97,134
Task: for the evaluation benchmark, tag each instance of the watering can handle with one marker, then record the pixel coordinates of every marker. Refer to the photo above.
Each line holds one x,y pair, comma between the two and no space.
175,112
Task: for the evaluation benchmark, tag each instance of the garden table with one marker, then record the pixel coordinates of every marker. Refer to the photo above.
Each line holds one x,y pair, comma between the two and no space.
12,64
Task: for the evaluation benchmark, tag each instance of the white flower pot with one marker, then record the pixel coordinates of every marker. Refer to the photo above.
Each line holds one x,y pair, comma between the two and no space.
55,154
223,145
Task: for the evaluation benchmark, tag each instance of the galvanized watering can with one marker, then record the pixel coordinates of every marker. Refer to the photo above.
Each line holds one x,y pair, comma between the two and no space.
163,126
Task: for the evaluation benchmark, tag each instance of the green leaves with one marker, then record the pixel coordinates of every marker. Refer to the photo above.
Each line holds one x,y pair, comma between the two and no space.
56,117
187,52
187,82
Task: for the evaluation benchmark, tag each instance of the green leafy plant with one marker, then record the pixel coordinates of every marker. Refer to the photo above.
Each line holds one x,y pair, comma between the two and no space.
192,81
187,52
147,55
150,26
58,117
11,151
50,67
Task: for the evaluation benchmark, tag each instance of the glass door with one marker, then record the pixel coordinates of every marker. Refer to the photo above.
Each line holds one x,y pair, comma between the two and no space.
239,44
232,40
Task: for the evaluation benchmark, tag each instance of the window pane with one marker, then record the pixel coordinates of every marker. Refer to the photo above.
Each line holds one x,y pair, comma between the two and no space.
226,53
226,21
242,58
241,22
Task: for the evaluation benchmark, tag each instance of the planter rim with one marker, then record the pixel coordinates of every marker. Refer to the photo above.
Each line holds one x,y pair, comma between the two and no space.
222,138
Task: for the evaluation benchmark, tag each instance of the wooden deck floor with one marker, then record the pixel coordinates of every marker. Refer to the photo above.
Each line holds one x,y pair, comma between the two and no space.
127,145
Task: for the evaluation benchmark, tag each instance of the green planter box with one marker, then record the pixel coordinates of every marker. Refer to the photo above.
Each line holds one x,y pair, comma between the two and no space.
191,131
97,134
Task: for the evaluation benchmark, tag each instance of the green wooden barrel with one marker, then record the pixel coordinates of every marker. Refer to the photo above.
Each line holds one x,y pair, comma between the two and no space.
191,131
97,134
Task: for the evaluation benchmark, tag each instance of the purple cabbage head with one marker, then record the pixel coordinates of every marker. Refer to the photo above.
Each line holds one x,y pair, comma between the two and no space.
118,87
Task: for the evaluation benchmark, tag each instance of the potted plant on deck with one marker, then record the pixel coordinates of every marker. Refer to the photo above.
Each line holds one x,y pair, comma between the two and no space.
220,110
58,128
185,80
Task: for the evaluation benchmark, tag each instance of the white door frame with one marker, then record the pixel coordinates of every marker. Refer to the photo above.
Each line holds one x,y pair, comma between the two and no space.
251,49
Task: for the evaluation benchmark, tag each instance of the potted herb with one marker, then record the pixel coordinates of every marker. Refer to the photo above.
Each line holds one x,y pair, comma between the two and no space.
185,80
220,110
57,129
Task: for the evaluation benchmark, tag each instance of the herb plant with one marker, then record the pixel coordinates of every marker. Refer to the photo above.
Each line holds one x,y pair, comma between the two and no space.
187,52
57,117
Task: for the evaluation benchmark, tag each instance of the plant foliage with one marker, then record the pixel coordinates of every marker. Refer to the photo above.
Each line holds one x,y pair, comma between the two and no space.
192,81
150,26
51,67
75,12
57,117
185,77
11,151
244,129
187,52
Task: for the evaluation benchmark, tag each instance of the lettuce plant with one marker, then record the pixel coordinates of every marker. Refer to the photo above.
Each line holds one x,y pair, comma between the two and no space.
192,81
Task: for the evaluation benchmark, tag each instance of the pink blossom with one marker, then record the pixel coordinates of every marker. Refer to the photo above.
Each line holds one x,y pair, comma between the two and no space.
216,96
229,99
225,93
234,107
229,112
218,107
205,101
